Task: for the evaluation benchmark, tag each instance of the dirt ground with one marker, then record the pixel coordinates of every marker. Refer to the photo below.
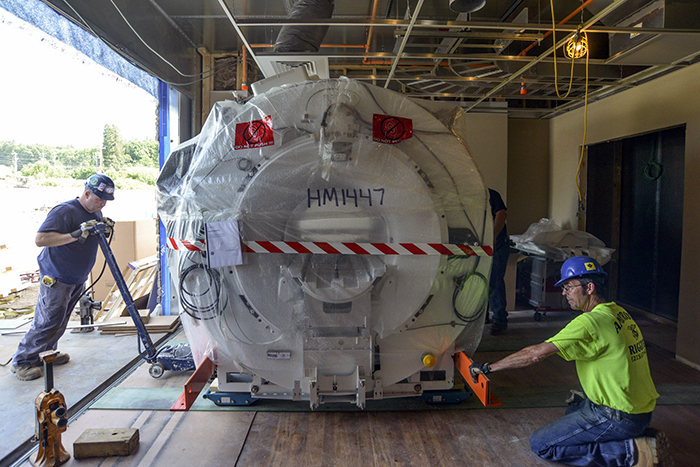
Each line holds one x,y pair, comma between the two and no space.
24,209
22,299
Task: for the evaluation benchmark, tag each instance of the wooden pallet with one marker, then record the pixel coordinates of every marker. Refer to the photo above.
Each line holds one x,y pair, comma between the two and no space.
139,283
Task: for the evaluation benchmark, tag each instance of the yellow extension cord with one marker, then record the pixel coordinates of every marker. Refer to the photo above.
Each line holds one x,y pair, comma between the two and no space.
585,100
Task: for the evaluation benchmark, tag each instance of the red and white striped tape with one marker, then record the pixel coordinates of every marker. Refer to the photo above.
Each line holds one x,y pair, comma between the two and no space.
340,248
195,245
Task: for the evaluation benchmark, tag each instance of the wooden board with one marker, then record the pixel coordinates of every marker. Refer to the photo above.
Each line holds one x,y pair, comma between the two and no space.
156,324
139,283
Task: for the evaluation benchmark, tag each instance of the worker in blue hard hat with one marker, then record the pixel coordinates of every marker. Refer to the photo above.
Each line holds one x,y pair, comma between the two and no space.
100,185
585,269
608,423
65,262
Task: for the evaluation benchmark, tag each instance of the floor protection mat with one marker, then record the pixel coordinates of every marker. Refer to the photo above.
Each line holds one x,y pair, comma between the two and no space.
542,397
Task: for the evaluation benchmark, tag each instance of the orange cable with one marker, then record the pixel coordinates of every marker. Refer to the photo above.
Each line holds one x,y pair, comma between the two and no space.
565,20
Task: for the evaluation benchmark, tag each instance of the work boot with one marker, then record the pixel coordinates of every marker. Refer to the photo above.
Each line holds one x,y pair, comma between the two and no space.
646,452
498,329
26,372
61,359
653,449
663,447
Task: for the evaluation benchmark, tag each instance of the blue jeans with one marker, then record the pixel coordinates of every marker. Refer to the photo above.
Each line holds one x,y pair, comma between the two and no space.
497,286
590,434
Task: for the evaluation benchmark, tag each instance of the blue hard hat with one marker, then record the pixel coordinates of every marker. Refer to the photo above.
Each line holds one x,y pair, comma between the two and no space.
579,266
101,185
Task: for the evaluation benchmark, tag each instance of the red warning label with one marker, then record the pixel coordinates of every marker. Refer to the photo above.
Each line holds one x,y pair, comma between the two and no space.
255,134
388,129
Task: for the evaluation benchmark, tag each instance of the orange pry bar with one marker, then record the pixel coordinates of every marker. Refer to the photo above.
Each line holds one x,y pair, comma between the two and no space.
194,386
482,388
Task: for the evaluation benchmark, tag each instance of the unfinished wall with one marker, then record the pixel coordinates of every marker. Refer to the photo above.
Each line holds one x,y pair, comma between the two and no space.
528,166
488,143
668,101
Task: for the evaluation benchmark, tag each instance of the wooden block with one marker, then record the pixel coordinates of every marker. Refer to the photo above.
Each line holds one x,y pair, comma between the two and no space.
106,442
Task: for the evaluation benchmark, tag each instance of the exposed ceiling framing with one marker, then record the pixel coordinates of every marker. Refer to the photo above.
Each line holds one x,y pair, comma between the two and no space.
500,58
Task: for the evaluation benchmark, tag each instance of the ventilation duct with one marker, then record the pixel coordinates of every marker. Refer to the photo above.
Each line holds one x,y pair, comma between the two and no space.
466,6
654,49
272,65
304,38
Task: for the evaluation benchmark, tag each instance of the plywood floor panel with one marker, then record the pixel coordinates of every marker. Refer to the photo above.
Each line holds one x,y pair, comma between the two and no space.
432,438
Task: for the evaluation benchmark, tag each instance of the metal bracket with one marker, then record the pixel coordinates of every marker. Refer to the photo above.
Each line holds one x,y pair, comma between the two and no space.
378,390
296,392
313,394
194,386
361,396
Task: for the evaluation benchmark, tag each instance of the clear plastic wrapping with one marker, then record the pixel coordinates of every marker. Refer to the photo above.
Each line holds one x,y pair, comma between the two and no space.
546,238
333,163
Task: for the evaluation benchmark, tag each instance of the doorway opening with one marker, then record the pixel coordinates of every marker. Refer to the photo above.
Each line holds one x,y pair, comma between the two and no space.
634,203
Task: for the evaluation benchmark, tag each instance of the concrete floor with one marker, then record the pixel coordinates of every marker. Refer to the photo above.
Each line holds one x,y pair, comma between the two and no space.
94,359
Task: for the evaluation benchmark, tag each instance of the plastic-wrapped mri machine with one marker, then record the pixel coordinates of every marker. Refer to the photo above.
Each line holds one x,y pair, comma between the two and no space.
311,239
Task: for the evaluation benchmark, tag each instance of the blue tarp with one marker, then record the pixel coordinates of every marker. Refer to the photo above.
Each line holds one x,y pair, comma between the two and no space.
52,23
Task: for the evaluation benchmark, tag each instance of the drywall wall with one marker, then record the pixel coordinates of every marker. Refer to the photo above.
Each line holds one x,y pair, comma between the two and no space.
668,101
528,169
488,143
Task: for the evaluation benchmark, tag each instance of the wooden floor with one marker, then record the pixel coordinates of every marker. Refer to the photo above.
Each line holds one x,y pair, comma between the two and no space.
467,434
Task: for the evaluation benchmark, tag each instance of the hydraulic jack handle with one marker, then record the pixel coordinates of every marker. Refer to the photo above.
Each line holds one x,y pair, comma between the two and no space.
99,230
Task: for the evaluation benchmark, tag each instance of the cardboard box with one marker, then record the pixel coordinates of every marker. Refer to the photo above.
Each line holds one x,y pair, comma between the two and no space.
510,279
131,241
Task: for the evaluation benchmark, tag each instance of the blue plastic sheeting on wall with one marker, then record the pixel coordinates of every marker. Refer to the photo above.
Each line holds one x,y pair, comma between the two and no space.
164,127
45,18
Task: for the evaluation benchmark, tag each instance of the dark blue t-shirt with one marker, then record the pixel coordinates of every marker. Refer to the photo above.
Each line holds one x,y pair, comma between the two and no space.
496,205
71,263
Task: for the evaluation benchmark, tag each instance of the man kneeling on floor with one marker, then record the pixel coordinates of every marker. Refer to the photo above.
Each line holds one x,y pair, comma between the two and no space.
65,263
609,424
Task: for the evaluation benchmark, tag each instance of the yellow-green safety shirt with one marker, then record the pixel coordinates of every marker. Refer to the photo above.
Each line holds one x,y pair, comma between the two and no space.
611,358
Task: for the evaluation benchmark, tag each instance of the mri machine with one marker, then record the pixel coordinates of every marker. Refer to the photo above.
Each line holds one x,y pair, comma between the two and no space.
328,241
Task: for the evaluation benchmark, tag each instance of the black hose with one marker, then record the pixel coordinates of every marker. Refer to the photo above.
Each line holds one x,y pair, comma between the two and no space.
187,298
104,265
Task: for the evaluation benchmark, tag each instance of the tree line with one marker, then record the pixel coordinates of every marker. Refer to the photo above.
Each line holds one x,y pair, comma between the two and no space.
115,155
